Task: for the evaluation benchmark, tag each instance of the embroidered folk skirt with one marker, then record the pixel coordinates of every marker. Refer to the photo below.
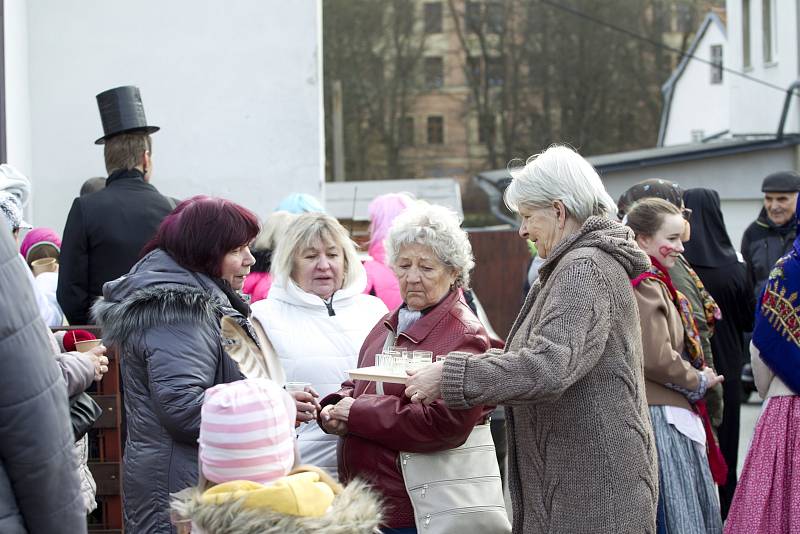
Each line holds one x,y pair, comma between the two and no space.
767,498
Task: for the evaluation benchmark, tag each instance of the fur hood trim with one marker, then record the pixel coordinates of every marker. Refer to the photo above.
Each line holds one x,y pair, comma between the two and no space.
356,510
155,306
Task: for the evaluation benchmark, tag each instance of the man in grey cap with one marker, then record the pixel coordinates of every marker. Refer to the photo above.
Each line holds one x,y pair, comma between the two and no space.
771,235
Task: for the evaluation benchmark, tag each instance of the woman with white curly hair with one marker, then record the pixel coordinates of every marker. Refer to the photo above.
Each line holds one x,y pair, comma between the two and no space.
581,449
432,257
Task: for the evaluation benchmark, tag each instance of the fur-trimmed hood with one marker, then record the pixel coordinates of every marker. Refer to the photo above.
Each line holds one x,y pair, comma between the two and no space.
157,291
356,510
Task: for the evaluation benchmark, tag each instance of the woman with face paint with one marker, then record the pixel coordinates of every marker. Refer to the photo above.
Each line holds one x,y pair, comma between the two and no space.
706,311
676,377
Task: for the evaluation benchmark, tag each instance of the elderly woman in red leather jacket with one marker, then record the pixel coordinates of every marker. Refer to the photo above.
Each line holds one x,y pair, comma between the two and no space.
432,258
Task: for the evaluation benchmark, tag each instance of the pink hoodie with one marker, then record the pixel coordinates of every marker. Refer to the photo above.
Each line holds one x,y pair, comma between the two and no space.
257,286
381,281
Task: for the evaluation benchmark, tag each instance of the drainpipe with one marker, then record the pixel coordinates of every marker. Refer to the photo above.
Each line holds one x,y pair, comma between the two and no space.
786,102
495,197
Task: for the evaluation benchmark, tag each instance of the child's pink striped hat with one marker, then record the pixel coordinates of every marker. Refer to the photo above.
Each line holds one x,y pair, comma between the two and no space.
247,432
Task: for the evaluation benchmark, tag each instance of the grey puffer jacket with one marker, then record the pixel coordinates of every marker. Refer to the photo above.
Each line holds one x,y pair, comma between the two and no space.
39,486
164,321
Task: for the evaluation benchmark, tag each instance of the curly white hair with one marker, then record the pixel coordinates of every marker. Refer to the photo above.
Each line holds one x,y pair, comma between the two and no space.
437,227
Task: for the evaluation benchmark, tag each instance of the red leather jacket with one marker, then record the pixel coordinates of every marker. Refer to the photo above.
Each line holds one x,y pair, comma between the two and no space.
381,425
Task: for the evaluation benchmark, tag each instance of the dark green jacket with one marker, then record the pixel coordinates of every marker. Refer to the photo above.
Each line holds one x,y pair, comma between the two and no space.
683,282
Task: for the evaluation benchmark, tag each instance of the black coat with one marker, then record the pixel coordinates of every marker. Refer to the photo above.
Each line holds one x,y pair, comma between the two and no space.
103,239
165,323
763,244
731,289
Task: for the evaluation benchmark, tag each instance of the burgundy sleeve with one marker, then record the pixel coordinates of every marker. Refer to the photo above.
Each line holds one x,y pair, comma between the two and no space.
394,422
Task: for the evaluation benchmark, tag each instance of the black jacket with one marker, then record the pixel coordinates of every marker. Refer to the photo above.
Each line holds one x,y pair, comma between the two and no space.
39,485
103,238
165,322
763,243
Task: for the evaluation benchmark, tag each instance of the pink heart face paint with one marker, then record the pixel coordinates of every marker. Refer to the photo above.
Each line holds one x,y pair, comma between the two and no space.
665,245
667,250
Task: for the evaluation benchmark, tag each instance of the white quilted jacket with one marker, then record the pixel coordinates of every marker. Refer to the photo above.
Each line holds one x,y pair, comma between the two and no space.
316,347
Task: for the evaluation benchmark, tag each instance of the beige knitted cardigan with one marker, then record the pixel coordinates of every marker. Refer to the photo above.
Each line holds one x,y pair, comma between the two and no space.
581,449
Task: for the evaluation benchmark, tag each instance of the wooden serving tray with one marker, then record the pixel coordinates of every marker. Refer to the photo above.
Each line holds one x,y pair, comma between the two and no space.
377,374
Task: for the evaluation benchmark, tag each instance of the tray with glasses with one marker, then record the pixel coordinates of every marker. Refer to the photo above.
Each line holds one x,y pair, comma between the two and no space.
391,366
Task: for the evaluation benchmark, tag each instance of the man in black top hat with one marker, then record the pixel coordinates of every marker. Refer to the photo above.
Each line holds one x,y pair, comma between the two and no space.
106,230
771,235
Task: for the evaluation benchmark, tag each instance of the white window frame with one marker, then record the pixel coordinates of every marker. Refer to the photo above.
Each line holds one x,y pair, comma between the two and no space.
717,63
747,33
769,38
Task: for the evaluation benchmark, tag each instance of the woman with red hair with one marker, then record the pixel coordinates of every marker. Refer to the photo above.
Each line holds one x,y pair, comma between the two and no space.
163,318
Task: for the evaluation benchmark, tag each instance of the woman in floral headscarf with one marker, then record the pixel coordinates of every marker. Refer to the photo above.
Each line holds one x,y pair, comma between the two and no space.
767,499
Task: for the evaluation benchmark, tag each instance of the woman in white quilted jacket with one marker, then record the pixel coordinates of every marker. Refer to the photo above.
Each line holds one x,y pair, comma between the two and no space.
316,318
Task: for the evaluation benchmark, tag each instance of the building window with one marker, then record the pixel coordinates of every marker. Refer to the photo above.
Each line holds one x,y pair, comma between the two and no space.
746,34
768,25
474,70
495,17
473,16
684,19
433,17
435,130
486,128
434,72
407,131
495,71
716,64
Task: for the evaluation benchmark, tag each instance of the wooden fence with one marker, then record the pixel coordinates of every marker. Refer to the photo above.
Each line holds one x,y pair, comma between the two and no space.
501,263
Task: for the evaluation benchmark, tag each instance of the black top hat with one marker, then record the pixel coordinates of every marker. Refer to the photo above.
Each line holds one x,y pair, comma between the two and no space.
121,111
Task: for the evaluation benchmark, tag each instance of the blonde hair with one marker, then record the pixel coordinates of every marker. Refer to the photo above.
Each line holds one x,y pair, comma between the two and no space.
646,216
273,228
559,173
304,230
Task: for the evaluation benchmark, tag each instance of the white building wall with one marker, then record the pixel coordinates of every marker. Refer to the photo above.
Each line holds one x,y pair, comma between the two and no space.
755,108
737,178
697,104
236,88
18,120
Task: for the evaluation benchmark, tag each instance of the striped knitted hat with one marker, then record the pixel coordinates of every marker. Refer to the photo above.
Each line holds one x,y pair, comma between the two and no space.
247,432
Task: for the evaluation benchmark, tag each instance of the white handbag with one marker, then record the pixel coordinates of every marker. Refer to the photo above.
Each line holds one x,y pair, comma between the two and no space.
459,490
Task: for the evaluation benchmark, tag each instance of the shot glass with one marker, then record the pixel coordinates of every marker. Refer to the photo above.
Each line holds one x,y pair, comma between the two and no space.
423,356
297,386
44,265
89,344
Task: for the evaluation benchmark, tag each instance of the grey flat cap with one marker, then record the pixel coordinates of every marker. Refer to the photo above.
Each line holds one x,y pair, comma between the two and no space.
781,182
